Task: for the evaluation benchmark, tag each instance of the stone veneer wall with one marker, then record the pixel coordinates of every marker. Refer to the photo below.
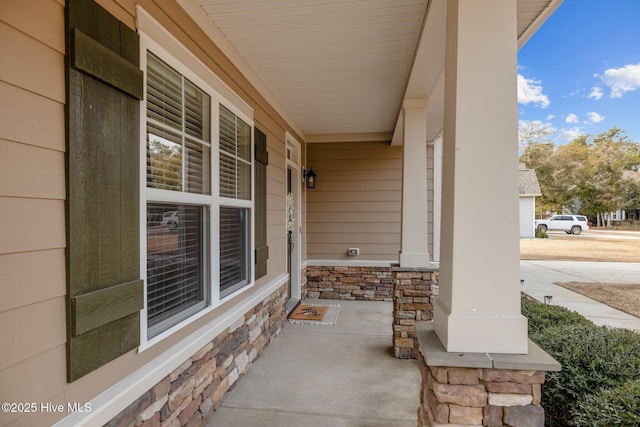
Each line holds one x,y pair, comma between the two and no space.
413,300
475,396
349,283
190,394
304,283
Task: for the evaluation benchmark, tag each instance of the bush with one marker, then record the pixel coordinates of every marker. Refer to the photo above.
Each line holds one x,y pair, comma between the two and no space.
542,316
541,234
618,406
594,359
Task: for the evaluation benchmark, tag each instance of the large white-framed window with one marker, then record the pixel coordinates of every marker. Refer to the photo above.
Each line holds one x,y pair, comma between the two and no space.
198,197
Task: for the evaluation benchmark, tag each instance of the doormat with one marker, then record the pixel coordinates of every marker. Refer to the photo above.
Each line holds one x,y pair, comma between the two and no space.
315,314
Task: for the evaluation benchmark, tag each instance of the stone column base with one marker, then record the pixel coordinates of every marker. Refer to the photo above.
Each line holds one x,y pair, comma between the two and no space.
412,302
480,388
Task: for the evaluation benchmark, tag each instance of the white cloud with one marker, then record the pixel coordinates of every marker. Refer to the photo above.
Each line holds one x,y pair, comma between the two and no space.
593,117
571,118
530,91
551,117
570,134
621,80
596,93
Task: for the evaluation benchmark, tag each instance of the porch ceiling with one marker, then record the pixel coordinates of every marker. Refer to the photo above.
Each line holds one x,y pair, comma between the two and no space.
341,67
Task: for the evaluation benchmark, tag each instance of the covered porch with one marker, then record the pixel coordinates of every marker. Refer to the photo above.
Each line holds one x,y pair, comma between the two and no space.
436,80
347,375
407,113
328,375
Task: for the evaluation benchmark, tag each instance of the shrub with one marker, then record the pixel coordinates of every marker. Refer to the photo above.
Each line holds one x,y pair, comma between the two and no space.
618,406
542,316
594,360
541,234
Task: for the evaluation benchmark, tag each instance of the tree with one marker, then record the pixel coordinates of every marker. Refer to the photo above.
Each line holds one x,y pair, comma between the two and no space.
601,185
540,157
569,161
588,174
164,163
632,196
532,132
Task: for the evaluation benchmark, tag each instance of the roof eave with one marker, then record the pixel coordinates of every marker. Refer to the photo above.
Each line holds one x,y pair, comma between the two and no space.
537,23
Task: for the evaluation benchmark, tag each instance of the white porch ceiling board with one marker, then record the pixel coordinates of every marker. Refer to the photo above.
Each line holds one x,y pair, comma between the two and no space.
337,66
345,66
532,14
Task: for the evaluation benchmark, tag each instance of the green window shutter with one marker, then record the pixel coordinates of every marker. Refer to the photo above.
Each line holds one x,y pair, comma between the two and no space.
260,203
104,89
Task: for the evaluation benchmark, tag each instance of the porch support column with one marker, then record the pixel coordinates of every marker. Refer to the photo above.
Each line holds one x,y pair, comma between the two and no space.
414,248
478,308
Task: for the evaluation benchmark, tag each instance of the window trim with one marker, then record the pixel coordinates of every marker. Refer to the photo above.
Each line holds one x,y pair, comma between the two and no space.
157,40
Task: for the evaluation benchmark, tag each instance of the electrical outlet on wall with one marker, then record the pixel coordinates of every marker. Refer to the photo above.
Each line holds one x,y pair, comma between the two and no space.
353,251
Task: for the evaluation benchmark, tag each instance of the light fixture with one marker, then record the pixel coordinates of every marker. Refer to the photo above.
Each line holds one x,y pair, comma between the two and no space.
310,178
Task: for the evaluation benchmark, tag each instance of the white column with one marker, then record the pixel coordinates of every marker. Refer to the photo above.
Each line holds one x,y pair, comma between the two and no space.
437,196
414,249
478,309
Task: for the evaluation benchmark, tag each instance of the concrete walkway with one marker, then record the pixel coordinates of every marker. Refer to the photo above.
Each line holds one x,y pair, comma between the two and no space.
333,376
540,276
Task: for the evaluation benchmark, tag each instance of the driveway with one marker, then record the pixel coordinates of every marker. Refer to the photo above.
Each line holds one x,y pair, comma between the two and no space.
540,276
609,234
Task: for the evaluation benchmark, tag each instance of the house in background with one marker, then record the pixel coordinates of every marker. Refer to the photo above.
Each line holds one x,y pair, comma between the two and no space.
147,151
625,214
529,189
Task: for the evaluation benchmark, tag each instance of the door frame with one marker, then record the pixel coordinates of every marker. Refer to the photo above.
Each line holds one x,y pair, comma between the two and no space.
293,160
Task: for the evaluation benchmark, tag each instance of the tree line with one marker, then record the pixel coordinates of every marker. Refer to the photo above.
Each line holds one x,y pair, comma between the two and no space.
591,175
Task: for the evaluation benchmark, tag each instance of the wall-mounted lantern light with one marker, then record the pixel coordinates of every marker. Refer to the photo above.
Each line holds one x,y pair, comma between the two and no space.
310,178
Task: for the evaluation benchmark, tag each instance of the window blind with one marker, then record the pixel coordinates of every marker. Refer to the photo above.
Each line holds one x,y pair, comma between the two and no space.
235,156
233,249
175,252
178,159
178,131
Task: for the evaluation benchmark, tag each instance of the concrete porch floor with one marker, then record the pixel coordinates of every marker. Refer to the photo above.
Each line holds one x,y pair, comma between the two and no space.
328,375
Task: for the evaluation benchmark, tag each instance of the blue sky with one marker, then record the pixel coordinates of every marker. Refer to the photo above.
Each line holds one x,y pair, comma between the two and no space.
580,72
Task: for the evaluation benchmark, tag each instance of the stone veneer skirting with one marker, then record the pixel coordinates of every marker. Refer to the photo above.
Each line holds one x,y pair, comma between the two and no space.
488,397
190,394
479,388
349,283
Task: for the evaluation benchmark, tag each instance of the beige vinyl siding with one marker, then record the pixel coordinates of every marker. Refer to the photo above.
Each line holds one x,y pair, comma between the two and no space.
356,202
36,379
430,203
32,205
32,192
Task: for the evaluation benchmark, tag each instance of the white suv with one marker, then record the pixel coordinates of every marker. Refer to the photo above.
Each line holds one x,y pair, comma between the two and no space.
571,224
